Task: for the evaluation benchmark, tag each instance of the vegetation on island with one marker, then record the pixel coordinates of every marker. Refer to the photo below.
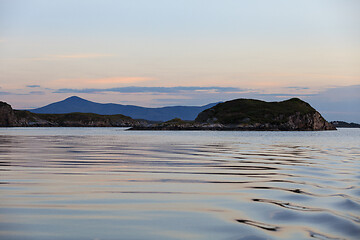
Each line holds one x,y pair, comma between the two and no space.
252,111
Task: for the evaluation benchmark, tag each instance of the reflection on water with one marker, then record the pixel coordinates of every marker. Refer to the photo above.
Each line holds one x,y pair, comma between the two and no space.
106,183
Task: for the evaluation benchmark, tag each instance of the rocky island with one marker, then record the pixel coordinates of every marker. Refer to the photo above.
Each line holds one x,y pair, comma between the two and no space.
249,114
236,115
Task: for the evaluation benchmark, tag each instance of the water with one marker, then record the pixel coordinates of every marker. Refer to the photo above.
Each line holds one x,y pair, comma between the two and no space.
107,183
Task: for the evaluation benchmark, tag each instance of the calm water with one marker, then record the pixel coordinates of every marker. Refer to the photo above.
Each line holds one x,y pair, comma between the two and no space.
107,183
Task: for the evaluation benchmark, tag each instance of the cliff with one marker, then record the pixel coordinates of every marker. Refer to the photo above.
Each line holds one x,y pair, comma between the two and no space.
7,116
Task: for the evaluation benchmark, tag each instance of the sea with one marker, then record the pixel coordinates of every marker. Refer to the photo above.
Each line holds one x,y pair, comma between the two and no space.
111,183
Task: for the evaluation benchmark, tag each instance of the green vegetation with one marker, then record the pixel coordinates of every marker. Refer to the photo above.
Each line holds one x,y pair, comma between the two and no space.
248,111
176,121
22,114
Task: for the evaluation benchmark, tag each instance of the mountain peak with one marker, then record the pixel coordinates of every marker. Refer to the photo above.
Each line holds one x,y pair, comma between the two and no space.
74,98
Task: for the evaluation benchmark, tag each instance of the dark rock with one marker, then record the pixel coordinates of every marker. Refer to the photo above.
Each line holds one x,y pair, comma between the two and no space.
7,116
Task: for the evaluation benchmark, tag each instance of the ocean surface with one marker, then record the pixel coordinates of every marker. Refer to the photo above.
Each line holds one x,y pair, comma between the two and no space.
108,183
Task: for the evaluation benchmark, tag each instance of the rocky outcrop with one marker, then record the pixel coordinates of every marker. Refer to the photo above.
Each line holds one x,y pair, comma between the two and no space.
310,121
7,116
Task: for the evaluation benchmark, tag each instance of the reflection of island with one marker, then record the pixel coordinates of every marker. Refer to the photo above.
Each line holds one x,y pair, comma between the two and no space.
241,114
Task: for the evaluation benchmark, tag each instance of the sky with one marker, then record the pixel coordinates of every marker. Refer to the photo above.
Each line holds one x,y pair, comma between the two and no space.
182,52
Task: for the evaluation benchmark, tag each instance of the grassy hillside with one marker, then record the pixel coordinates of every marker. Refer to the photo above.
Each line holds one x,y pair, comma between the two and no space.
83,117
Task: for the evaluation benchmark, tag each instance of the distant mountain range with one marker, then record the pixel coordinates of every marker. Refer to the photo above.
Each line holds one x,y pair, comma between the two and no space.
342,124
77,104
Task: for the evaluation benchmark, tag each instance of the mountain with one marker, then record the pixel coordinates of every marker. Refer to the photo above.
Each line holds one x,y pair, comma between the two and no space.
77,104
249,114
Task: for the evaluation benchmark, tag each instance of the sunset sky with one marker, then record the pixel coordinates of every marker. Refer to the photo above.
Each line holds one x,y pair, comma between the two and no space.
182,52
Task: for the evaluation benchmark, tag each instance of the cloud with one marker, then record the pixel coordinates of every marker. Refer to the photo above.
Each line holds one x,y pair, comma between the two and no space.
33,86
23,94
36,93
172,99
151,90
290,95
297,88
6,93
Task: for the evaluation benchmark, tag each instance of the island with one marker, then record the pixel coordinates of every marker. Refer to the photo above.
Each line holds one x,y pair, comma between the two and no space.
235,115
250,114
